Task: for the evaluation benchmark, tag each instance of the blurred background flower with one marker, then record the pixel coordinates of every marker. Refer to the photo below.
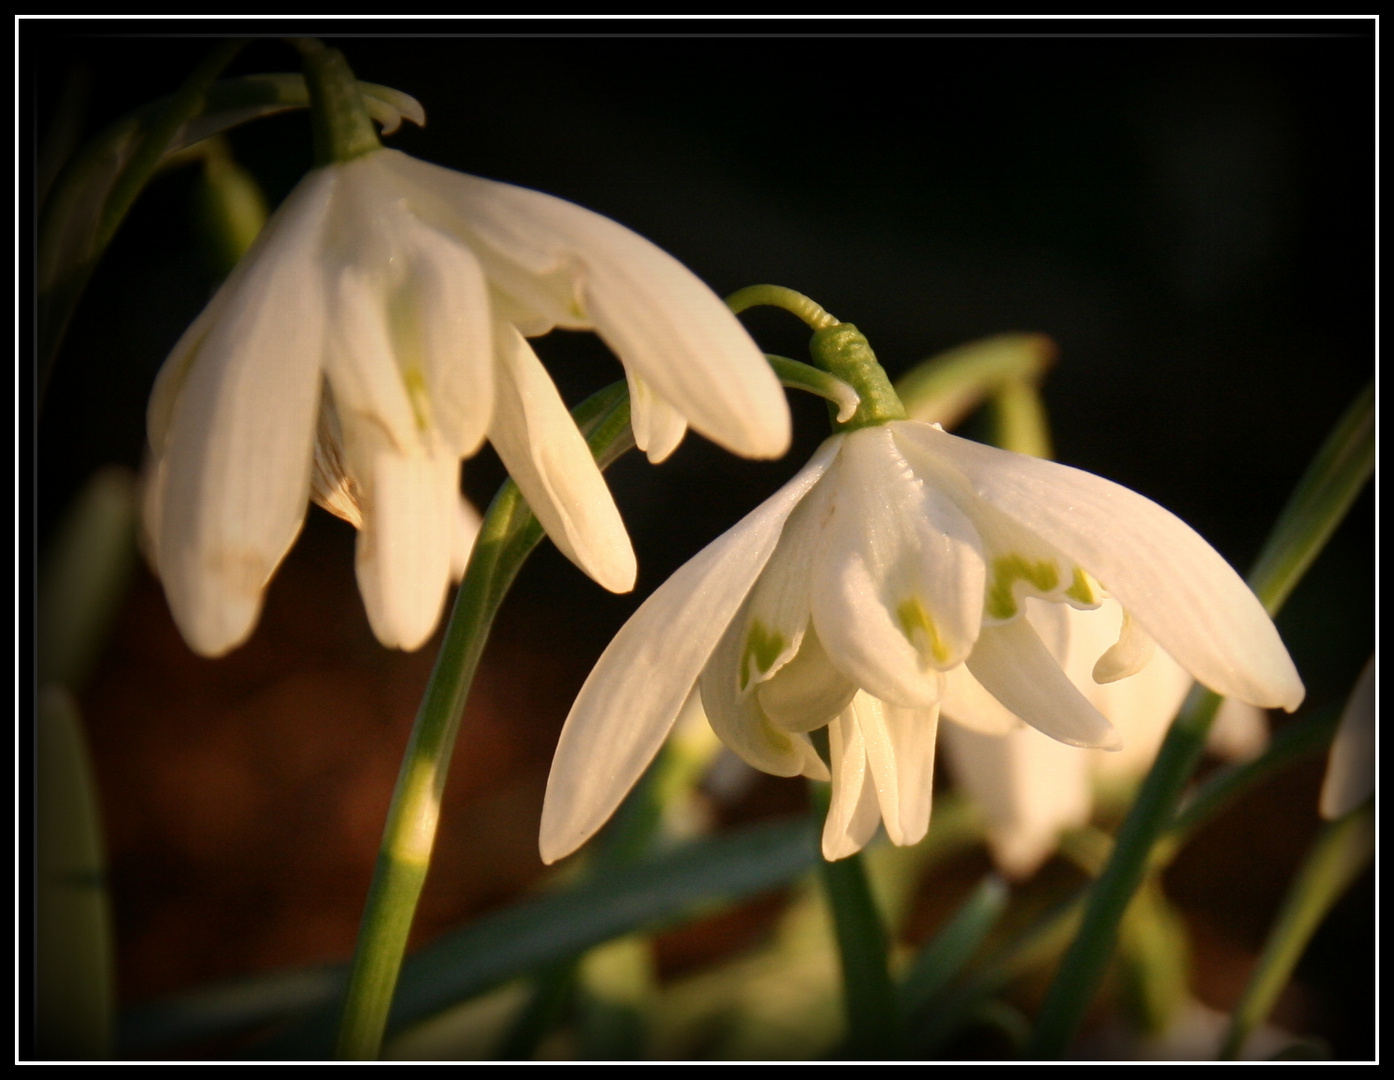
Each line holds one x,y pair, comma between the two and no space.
1188,218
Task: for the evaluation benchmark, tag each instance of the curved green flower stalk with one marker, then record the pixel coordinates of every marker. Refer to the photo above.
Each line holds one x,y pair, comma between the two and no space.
1318,504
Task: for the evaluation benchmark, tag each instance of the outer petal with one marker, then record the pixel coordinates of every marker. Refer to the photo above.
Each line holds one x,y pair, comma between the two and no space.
655,313
548,458
624,710
1175,584
1015,668
898,585
405,545
232,425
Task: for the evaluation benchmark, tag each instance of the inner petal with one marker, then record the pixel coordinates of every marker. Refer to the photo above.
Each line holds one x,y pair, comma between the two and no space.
1129,655
806,692
898,579
739,721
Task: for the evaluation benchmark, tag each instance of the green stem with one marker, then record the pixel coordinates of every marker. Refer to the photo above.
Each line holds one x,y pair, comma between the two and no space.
343,129
811,380
844,351
1339,856
506,538
873,1030
778,296
1307,522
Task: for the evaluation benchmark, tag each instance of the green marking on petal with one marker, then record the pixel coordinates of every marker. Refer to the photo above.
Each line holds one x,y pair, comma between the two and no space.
1083,589
1000,602
763,647
919,628
419,396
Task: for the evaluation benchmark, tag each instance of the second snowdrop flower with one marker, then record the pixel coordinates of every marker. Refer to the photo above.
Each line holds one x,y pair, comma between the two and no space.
898,556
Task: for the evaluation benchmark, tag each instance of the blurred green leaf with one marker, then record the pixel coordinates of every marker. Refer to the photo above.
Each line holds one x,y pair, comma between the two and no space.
74,967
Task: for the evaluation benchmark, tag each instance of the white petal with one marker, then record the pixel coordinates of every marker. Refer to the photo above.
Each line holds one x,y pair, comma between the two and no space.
1127,656
549,459
740,722
854,811
966,703
1014,667
900,753
1140,706
576,268
1350,771
535,277
368,388
1172,582
234,429
293,228
443,336
631,698
808,691
897,588
658,427
674,331
404,547
778,614
1029,788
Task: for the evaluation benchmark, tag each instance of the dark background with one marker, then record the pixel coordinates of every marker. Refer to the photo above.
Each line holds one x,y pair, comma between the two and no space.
1189,217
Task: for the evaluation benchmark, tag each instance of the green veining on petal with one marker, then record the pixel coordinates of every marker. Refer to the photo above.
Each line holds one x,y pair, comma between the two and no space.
918,626
1082,589
1007,570
763,646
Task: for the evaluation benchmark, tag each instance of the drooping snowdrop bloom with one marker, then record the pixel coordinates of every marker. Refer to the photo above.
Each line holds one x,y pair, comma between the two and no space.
371,339
1031,788
899,555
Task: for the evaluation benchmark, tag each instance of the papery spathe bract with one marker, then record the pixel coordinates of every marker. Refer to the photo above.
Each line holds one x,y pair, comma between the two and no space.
897,559
372,338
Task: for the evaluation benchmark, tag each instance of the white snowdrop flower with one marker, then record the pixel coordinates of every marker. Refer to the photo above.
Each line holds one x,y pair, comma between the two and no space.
899,556
371,339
